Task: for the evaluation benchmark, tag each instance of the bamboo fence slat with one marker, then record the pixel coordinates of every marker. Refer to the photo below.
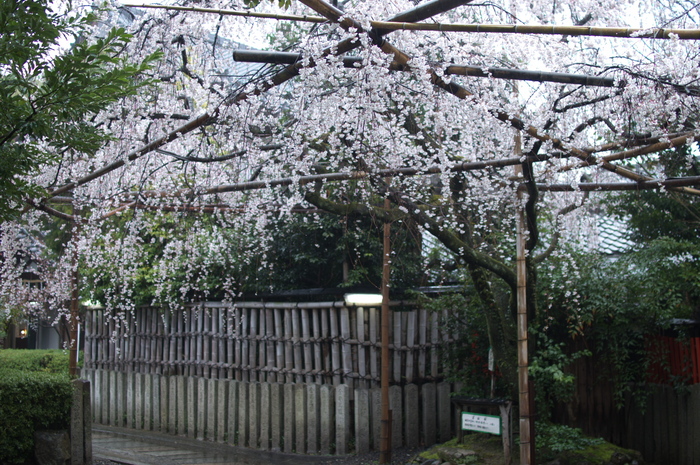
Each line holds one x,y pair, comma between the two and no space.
306,344
130,328
222,342
317,347
271,350
189,356
298,367
206,342
410,340
252,355
279,343
154,341
311,343
352,342
145,340
361,359
346,349
230,333
397,336
238,343
214,336
326,348
422,340
262,344
373,335
336,368
289,346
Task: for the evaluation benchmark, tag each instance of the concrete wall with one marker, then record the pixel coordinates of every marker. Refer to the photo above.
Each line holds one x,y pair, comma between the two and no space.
288,417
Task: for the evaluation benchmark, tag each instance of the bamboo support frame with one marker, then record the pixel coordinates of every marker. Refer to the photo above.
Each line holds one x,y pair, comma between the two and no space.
460,92
615,32
419,13
263,56
465,166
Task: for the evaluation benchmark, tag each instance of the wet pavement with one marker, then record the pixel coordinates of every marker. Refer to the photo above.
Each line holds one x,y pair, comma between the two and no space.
135,447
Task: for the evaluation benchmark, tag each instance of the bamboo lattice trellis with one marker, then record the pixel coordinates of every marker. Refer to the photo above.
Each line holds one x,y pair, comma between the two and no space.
322,343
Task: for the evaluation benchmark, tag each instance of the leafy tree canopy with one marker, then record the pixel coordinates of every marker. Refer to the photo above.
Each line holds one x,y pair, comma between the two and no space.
653,215
47,94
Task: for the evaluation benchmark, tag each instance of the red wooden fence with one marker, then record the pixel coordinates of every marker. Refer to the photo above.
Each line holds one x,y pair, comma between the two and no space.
674,360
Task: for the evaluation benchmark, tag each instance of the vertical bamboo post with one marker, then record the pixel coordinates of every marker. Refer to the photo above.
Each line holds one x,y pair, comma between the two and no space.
270,335
527,440
385,433
75,295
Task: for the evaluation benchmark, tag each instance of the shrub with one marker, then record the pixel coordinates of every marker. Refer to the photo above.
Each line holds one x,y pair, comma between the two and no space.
30,401
48,361
552,440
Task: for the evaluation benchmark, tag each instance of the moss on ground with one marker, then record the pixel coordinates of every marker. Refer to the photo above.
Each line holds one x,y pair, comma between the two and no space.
489,450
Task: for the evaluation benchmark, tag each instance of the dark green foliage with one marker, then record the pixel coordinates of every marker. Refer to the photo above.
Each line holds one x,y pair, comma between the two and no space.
30,401
45,99
46,361
466,360
613,306
549,370
310,252
654,215
553,440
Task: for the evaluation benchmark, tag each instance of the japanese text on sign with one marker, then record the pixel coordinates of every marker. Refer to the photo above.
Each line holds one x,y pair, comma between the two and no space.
483,423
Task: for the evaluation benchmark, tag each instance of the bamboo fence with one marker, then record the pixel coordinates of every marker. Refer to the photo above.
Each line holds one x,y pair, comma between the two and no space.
319,343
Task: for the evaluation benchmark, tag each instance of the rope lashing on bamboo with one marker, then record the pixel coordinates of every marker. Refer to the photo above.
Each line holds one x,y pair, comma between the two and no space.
615,32
255,56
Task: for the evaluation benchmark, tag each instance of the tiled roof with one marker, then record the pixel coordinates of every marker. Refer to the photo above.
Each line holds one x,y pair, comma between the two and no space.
612,237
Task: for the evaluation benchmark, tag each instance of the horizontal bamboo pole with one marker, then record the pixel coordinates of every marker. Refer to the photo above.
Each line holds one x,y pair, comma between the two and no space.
260,56
342,176
619,32
245,13
658,145
539,76
303,180
623,186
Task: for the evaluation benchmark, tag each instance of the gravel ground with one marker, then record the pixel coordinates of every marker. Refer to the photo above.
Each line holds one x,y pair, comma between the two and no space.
398,457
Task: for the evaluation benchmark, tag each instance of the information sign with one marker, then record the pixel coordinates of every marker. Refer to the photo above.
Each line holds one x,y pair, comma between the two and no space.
482,423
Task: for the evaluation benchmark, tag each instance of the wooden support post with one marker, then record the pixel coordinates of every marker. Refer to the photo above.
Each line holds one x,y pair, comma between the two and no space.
525,400
385,434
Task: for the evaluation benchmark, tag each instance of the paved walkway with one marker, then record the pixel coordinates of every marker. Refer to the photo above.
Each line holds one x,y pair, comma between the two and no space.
135,447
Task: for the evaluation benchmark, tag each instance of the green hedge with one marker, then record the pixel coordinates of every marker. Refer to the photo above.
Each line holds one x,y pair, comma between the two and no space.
49,361
30,401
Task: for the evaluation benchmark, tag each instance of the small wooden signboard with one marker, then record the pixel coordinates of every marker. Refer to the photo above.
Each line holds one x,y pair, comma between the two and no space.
494,424
482,423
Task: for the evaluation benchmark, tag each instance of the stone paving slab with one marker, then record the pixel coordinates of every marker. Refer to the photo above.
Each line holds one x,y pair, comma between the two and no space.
136,447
